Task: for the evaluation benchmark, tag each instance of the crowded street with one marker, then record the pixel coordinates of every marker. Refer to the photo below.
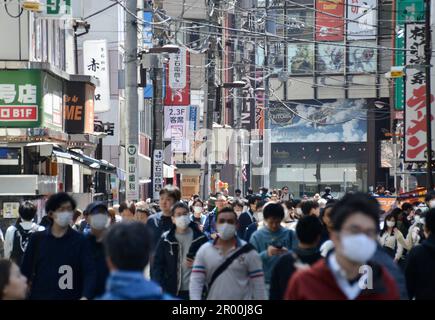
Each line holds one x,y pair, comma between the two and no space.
217,150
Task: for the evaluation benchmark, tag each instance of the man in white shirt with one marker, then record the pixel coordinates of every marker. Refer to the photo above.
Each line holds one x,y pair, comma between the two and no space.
18,235
243,277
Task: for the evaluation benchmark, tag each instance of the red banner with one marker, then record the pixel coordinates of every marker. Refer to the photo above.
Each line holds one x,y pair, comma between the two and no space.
330,20
18,113
178,79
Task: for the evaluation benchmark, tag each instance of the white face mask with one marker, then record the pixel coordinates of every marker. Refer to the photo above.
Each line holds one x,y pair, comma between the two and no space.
182,222
64,218
197,210
417,219
226,231
99,221
391,224
358,248
432,204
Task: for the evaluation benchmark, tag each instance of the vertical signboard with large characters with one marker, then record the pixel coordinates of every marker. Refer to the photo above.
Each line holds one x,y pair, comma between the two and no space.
79,108
415,95
330,20
178,79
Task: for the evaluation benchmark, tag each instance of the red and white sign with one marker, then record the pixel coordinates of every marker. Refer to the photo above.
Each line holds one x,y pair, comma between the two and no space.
18,113
330,20
415,95
178,79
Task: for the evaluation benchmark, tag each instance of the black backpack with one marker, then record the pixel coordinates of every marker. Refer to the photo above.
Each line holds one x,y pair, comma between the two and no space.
21,240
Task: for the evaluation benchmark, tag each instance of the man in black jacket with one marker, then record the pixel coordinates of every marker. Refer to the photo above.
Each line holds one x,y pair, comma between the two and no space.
176,251
247,217
308,231
420,269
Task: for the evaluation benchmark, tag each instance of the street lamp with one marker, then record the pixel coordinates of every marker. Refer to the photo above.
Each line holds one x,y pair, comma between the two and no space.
78,23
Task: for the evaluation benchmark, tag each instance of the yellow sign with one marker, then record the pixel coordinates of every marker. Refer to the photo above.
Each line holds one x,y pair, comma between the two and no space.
397,74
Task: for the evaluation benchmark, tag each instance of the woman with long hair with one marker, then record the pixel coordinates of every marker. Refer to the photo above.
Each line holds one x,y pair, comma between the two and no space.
389,237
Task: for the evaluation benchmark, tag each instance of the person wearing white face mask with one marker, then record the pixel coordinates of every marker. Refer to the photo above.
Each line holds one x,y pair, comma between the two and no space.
233,263
198,215
99,221
176,251
58,261
339,276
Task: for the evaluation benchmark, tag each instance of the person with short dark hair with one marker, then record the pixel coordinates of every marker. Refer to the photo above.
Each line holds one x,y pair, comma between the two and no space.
420,268
13,285
198,215
243,277
128,247
272,240
18,235
126,211
259,220
176,252
338,276
310,207
248,217
285,194
58,261
327,195
238,206
161,221
237,194
99,221
308,231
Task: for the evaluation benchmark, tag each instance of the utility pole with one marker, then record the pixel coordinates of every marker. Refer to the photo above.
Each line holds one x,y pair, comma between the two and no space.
428,53
210,98
131,102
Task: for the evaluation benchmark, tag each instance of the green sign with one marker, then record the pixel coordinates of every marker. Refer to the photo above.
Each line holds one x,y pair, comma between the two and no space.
57,8
406,11
20,98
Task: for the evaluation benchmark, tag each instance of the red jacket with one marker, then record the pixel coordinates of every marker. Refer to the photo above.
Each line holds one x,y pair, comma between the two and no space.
318,283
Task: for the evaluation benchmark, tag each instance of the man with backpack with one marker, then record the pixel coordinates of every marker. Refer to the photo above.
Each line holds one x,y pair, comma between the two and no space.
228,267
18,235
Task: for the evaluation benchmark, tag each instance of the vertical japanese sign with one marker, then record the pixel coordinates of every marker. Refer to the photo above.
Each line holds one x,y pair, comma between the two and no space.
20,99
415,94
78,108
406,11
178,79
157,173
259,102
330,20
147,44
95,63
132,184
178,124
362,19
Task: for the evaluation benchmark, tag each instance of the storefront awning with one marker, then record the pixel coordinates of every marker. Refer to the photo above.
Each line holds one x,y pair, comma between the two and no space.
70,157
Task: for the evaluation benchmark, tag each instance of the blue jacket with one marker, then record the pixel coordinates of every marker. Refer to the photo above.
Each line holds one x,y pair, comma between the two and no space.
263,237
48,261
210,223
131,285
